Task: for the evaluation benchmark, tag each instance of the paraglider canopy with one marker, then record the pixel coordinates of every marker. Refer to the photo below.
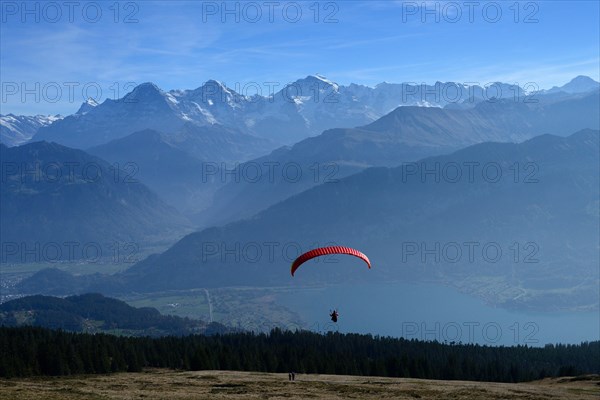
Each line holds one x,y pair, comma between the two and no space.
323,251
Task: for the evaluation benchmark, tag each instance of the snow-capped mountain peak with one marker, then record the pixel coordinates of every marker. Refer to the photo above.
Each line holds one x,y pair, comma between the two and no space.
213,92
326,81
145,91
218,84
316,82
87,105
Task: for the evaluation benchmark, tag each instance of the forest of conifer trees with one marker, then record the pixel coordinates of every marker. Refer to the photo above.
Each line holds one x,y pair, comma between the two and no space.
31,351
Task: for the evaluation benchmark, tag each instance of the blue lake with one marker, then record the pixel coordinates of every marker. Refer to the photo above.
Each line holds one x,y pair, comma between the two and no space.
434,312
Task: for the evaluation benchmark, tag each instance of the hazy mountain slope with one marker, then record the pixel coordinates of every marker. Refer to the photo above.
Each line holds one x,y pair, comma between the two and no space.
177,165
173,174
541,213
326,158
405,134
551,212
52,195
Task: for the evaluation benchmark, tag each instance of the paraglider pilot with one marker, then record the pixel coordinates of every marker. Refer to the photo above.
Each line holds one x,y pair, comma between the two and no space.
334,315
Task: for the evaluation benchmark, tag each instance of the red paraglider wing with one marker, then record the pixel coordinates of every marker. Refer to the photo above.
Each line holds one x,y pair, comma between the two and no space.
323,251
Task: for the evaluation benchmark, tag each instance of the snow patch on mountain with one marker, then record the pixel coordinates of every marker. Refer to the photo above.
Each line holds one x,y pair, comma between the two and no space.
18,129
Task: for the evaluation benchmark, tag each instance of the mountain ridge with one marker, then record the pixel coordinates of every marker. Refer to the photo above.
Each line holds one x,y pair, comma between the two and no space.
393,207
406,134
95,313
298,110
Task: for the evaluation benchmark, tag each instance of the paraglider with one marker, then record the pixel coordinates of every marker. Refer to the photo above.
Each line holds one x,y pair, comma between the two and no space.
334,315
323,251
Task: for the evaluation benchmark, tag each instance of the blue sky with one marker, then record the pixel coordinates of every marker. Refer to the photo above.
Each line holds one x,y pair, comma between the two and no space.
180,45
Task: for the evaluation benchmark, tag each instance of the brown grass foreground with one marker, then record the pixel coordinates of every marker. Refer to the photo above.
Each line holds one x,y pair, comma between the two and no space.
167,384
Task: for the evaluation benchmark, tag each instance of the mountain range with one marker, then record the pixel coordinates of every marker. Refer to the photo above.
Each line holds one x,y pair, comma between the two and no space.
298,110
535,202
148,155
172,139
405,134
